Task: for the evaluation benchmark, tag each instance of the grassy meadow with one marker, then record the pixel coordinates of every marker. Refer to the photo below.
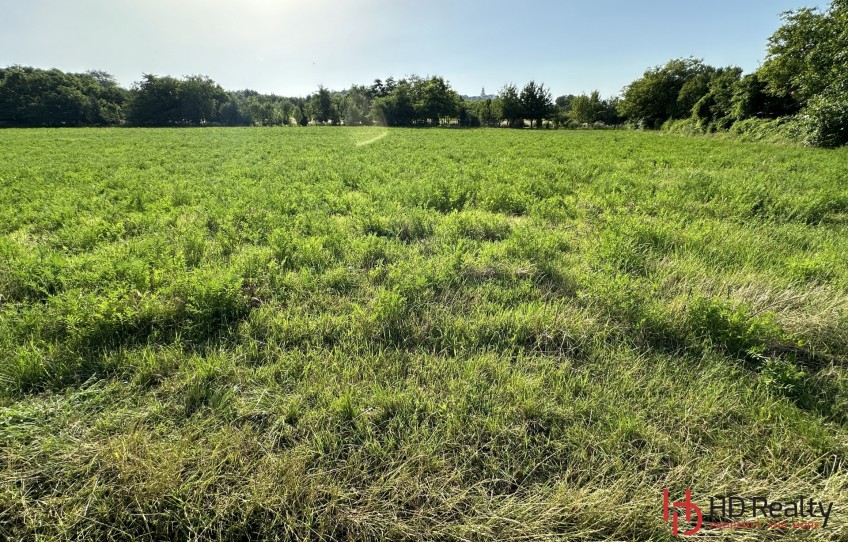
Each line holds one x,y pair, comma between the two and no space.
369,334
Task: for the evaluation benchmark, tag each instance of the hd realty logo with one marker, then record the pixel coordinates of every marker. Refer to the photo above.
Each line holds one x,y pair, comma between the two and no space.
693,512
687,518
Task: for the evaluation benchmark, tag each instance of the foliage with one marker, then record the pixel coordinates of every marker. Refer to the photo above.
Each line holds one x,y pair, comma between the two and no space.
536,103
783,130
511,108
664,92
436,100
489,111
804,74
354,106
751,99
162,101
789,131
591,109
414,100
825,118
806,56
806,60
690,127
715,108
33,97
322,106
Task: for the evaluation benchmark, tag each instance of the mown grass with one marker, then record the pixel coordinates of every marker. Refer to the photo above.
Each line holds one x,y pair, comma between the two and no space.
436,335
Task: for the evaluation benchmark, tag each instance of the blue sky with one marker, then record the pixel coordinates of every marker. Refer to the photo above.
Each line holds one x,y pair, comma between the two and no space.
290,47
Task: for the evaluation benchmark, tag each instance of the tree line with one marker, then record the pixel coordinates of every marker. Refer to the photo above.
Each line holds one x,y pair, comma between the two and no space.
804,77
36,97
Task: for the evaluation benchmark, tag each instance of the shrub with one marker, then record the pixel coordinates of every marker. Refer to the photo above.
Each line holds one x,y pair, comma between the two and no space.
826,120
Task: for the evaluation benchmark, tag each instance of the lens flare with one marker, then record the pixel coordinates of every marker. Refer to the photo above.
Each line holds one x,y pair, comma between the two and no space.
369,135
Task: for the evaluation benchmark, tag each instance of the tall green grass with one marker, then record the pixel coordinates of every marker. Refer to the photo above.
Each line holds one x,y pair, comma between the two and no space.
443,335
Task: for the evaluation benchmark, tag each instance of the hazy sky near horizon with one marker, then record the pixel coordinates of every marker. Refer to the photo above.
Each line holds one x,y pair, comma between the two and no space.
289,47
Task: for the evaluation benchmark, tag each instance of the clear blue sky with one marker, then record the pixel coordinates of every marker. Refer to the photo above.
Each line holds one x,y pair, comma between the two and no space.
290,47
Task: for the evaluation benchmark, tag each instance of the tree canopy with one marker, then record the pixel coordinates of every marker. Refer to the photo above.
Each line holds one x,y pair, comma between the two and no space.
33,97
808,62
664,92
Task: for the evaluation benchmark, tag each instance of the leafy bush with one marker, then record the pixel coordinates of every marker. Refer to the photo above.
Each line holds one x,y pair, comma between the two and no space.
826,120
370,251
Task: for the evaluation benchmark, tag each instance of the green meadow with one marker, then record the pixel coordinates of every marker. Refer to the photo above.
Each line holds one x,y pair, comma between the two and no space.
415,334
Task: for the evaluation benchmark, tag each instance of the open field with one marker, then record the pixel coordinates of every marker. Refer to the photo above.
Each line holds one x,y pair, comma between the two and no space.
332,333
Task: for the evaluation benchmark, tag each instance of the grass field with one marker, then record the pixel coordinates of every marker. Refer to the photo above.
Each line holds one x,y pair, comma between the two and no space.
332,333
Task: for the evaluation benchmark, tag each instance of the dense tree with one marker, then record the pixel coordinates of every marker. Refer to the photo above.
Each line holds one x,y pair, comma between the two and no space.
467,114
825,118
300,111
488,111
106,98
536,103
287,109
586,109
322,106
200,100
233,111
561,110
436,100
249,108
751,98
395,108
162,101
354,106
806,56
591,109
33,97
564,101
693,90
656,96
155,101
380,89
807,61
263,110
512,110
412,101
715,107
